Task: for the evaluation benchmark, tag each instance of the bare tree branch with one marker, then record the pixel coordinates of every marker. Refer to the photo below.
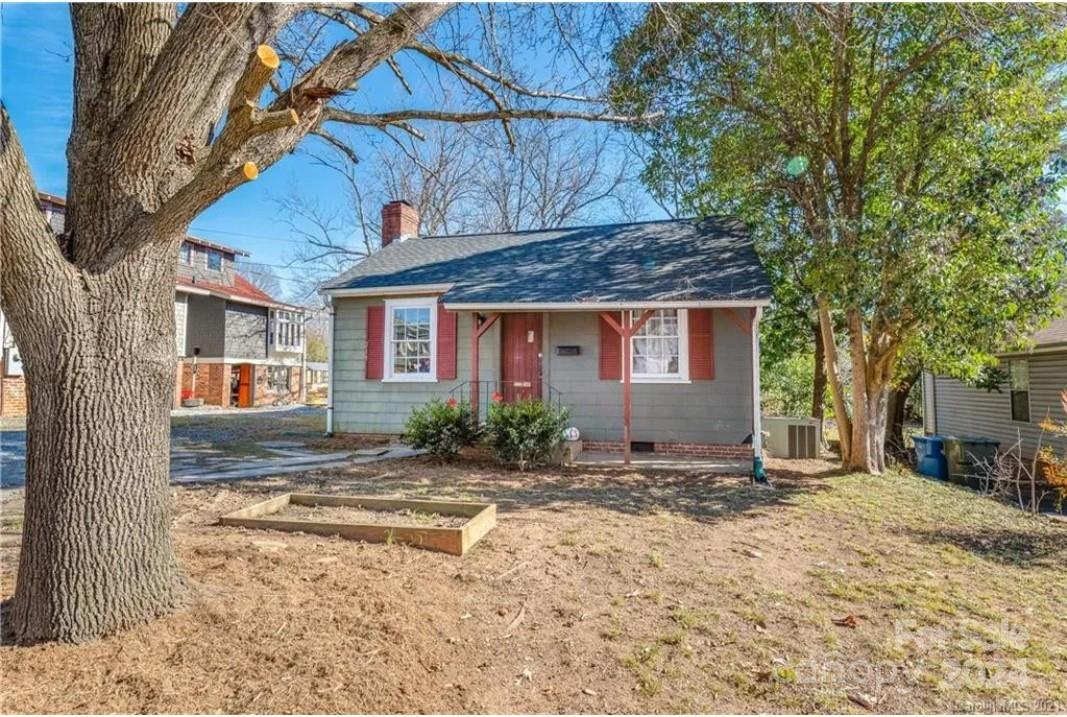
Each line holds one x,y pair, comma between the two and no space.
335,114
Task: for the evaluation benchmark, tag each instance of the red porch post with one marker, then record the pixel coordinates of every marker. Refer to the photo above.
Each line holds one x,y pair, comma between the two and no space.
627,391
626,332
478,327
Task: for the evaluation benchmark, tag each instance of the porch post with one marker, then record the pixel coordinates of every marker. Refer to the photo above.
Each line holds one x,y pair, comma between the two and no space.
477,329
475,335
627,394
758,473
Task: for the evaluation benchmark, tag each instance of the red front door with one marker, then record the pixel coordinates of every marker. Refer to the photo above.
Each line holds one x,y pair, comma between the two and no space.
521,356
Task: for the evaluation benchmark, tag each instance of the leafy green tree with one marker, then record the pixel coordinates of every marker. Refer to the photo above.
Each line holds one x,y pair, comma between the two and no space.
914,147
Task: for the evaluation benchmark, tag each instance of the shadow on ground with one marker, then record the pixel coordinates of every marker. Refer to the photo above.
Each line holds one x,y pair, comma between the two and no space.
701,497
1021,548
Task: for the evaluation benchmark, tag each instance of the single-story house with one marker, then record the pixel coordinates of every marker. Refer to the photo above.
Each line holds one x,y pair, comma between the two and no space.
647,332
1036,379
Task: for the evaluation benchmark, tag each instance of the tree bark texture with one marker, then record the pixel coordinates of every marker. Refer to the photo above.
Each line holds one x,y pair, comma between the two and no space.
818,384
97,553
837,390
896,413
93,313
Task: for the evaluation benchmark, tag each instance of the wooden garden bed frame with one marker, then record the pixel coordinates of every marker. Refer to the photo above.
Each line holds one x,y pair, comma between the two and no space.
455,541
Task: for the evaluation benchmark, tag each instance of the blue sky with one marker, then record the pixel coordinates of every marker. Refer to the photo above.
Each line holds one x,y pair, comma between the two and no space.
36,71
36,80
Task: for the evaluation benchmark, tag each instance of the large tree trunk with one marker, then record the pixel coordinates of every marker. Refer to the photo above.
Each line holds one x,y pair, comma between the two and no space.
837,391
96,549
818,384
895,413
861,457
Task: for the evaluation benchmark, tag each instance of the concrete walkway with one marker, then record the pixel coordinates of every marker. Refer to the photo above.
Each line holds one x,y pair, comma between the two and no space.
289,460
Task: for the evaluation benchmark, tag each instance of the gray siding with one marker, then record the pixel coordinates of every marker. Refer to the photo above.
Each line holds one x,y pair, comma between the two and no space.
197,267
181,308
362,406
205,326
246,331
717,411
965,411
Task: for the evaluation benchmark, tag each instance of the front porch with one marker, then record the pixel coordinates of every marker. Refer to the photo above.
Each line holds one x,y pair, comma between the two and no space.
666,354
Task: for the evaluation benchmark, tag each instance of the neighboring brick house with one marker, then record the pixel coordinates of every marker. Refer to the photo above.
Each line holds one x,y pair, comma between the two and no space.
236,345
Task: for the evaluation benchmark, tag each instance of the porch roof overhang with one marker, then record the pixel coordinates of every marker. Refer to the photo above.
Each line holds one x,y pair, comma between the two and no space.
606,305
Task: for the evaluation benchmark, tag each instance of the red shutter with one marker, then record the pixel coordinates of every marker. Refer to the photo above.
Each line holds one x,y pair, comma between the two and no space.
701,345
610,350
375,341
446,343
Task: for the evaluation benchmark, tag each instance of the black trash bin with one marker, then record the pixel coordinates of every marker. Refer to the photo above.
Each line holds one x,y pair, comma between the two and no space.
967,457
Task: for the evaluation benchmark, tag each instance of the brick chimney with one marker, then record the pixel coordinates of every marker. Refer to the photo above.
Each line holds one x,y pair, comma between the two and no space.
400,220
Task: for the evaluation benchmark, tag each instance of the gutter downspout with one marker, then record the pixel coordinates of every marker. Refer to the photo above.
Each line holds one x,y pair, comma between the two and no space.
303,357
329,367
758,474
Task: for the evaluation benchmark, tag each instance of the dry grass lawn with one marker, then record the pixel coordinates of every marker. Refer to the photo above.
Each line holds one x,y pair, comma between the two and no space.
597,592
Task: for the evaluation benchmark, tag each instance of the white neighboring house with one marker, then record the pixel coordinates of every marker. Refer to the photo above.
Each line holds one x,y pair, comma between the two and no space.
1036,380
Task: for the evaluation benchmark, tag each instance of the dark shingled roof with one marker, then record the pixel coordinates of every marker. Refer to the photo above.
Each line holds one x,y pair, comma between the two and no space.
677,260
1054,333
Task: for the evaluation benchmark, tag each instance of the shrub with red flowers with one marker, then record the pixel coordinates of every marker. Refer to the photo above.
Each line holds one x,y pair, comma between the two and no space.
442,428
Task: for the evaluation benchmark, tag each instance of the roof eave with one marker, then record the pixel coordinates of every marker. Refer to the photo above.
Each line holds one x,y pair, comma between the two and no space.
407,289
604,305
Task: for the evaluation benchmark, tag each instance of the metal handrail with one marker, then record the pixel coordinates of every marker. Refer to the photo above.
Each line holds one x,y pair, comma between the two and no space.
486,390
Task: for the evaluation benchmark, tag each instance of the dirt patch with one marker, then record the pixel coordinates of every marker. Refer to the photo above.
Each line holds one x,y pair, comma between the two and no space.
599,591
365,516
351,441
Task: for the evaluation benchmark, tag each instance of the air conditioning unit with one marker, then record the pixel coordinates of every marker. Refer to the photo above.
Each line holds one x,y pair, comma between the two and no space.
789,437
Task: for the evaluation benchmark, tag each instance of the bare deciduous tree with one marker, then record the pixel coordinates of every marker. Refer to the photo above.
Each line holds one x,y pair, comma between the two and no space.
167,119
464,180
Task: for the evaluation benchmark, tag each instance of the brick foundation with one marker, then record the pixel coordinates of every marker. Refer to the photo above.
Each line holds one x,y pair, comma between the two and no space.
696,450
14,396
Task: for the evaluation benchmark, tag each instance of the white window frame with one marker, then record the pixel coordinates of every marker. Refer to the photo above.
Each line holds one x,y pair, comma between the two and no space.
683,352
185,253
286,332
207,259
418,303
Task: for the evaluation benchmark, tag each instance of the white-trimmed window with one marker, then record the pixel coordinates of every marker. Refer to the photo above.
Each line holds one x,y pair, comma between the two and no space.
185,253
659,350
410,340
286,331
214,260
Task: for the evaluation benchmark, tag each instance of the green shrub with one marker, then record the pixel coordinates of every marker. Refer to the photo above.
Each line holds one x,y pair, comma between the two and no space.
441,427
525,434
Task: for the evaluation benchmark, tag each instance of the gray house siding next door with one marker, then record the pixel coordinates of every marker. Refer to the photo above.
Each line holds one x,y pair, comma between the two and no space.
205,326
716,411
246,331
961,410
